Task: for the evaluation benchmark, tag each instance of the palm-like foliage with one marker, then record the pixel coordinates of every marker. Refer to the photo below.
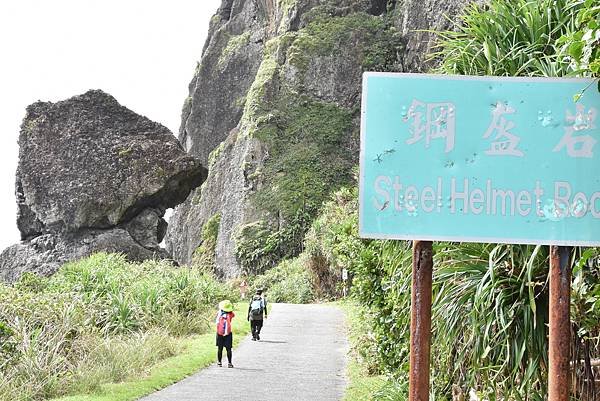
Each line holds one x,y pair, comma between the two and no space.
491,313
509,38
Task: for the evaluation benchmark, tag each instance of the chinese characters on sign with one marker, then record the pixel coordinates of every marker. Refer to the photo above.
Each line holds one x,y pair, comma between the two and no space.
502,126
579,145
437,120
432,120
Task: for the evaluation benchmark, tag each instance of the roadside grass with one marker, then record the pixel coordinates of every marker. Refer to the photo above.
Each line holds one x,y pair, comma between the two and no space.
362,386
362,383
196,352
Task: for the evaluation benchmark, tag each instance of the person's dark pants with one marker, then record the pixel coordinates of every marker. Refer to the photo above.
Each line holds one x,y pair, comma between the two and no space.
256,325
220,354
224,342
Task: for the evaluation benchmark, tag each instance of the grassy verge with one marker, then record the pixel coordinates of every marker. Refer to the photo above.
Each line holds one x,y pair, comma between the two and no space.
362,384
196,353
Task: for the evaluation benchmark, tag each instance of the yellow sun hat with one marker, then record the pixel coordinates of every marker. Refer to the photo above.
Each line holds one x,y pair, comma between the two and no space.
226,305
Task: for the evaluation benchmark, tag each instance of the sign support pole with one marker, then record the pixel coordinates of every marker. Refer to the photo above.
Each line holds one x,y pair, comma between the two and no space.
560,323
420,322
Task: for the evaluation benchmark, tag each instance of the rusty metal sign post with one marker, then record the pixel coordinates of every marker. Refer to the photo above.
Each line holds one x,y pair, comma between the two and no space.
420,321
560,323
420,324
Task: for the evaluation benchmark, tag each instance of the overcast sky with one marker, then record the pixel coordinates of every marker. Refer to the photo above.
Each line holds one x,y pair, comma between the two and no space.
143,52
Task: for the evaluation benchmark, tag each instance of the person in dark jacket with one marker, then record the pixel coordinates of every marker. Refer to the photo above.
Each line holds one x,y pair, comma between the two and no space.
257,311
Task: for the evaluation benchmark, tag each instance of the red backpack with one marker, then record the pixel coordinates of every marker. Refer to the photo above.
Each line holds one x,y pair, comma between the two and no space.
224,323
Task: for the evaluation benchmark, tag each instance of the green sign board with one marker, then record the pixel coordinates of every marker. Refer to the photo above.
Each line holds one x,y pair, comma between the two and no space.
481,159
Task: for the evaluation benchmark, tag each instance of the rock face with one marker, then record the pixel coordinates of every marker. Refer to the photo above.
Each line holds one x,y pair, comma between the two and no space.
93,176
274,110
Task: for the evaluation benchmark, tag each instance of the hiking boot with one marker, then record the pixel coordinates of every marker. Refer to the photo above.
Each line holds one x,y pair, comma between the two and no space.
219,364
230,365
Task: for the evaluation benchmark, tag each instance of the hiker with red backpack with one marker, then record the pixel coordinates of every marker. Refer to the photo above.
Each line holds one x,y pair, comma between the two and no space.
256,310
224,334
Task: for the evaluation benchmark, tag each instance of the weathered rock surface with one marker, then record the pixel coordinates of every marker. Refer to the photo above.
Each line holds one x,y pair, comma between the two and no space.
296,67
417,20
94,176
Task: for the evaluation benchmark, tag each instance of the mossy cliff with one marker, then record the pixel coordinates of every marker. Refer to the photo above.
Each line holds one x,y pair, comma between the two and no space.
274,110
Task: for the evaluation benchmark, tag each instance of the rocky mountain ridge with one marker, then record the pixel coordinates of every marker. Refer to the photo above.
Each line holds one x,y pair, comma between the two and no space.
274,111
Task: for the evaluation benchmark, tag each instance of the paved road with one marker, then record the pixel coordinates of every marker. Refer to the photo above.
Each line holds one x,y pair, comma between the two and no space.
301,356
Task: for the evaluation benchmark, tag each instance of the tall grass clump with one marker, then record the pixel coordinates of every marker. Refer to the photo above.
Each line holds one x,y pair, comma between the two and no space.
98,320
491,314
509,38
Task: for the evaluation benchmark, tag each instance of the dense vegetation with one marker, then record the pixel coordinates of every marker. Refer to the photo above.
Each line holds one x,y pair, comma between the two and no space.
518,38
288,282
583,44
98,320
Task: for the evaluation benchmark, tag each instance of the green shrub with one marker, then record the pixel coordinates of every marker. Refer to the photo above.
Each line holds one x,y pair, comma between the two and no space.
332,242
494,312
382,281
582,46
287,282
363,376
393,391
490,309
259,247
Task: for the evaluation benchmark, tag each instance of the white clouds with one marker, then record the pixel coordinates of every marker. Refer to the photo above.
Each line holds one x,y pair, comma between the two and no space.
143,52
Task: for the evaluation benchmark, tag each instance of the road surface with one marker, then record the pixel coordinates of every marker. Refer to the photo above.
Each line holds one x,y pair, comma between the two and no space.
301,356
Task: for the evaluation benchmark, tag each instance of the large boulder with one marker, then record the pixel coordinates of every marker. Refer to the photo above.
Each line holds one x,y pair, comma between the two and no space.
94,176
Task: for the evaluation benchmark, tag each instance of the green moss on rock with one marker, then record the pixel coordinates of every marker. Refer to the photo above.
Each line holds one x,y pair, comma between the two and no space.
259,247
254,99
256,246
325,35
212,157
210,229
234,44
204,255
308,158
